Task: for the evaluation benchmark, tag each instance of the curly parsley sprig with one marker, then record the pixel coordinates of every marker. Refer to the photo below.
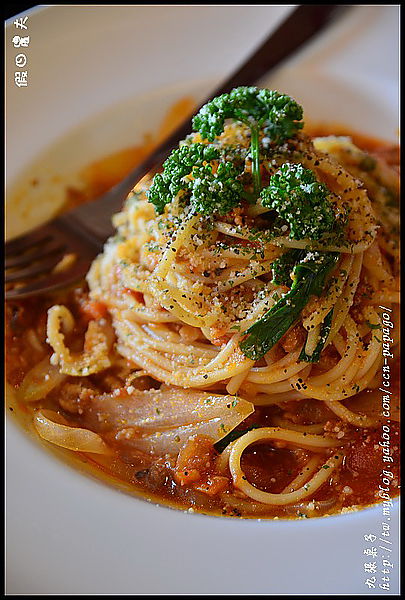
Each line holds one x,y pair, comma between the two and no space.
193,170
277,115
302,201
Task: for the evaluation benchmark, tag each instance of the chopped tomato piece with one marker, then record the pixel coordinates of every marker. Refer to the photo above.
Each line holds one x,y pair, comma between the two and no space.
93,309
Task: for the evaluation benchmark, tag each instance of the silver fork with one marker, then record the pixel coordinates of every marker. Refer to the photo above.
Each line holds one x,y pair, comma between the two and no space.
33,261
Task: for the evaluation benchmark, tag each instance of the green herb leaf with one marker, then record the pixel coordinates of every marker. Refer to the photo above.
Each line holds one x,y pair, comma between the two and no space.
309,279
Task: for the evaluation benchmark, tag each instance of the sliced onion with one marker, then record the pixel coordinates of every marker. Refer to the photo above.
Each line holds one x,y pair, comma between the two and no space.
161,422
73,438
39,381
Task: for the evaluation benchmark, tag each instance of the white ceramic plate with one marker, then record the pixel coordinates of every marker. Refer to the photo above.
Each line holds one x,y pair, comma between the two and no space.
98,78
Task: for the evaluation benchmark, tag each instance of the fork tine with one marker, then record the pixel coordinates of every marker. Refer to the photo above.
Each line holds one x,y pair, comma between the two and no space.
19,260
43,267
48,284
23,242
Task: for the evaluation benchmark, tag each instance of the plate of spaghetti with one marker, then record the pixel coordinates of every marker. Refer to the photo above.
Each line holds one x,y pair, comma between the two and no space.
228,352
231,357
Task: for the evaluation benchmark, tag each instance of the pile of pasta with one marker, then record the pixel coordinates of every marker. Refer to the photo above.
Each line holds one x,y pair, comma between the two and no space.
181,291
